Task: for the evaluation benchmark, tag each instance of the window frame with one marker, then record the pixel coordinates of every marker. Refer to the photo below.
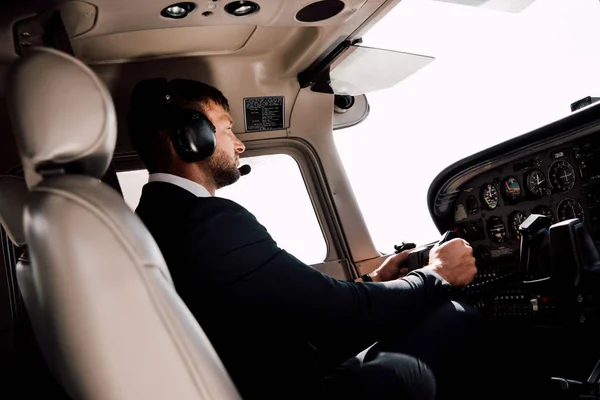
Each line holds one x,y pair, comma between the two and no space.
337,262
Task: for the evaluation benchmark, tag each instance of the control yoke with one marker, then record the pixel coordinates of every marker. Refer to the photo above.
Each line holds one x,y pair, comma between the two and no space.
574,250
534,233
419,257
573,258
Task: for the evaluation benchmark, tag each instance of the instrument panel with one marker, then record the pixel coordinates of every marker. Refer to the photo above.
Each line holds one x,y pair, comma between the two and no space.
485,197
554,171
561,183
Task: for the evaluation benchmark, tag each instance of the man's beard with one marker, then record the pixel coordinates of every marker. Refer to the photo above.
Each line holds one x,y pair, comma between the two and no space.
223,169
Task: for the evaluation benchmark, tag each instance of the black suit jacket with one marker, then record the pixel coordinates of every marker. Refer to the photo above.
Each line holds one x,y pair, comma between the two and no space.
276,323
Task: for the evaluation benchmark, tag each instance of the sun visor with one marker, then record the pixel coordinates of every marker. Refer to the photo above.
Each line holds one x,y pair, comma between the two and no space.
368,69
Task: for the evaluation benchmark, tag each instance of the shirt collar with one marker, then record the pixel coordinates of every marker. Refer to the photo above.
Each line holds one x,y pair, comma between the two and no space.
194,188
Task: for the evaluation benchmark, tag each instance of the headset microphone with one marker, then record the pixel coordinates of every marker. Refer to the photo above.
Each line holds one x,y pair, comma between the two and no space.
244,169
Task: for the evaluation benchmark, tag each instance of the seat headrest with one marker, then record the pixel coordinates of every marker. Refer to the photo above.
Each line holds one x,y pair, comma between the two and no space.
13,197
62,115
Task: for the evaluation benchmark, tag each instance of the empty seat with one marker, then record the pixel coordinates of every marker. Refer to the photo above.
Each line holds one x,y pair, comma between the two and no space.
108,319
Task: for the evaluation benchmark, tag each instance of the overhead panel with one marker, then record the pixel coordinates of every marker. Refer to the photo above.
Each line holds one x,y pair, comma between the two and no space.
159,43
112,32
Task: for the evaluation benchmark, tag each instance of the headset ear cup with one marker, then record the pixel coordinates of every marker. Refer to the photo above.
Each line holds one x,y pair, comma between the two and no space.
194,136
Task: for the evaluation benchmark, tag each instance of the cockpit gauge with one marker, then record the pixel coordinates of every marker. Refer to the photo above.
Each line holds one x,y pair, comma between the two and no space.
515,220
496,229
489,196
536,182
472,206
511,188
569,209
561,176
543,210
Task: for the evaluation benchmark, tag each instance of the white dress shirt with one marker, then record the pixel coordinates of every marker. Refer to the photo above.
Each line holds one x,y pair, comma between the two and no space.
194,188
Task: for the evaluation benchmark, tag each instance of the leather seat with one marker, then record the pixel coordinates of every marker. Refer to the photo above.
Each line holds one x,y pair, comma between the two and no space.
13,197
108,319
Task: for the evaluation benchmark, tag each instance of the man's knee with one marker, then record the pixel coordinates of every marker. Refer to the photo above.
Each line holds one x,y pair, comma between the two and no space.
397,376
454,315
459,330
460,310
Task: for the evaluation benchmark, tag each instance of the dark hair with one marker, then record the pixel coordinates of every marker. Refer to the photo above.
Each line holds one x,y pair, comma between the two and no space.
149,122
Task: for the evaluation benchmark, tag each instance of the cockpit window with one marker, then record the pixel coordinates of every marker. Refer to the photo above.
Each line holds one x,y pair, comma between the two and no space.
496,75
275,192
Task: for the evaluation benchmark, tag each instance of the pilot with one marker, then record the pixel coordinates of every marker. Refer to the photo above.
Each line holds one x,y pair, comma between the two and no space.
283,329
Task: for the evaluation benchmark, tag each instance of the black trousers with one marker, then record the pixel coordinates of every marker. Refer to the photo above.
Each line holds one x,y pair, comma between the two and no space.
438,357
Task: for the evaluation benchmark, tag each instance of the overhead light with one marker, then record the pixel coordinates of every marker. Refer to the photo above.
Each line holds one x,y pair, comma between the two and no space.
178,11
241,8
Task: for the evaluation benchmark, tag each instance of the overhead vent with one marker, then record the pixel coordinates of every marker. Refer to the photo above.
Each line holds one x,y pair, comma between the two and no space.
320,11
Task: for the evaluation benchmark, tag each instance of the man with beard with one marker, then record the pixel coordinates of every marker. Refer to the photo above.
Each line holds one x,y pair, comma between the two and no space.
283,329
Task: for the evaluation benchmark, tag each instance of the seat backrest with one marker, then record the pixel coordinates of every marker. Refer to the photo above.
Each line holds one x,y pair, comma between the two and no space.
13,197
113,325
111,179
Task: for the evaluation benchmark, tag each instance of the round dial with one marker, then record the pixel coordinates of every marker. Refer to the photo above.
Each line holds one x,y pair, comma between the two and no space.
511,188
569,209
561,176
496,229
536,182
514,221
543,210
489,196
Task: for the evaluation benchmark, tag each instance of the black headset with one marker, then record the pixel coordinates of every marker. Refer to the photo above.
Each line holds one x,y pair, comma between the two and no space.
193,135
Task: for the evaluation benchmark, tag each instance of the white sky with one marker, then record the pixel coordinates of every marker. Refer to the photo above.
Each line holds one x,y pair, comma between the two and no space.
496,75
275,193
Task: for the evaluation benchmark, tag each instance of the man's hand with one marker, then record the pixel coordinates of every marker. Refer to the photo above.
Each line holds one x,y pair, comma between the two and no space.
454,262
392,268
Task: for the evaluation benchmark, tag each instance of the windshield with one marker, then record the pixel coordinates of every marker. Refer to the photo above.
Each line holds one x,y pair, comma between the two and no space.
496,75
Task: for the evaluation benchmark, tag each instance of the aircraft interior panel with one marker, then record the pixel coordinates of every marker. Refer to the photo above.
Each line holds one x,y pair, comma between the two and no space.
511,203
